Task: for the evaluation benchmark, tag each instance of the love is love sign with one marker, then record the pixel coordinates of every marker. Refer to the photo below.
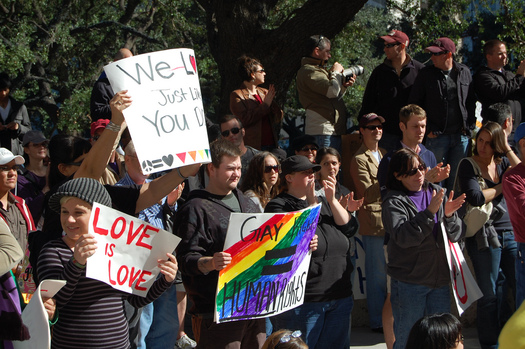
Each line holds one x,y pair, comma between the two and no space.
166,118
128,249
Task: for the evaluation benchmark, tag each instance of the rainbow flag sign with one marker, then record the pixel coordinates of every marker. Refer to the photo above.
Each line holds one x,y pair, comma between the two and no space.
270,260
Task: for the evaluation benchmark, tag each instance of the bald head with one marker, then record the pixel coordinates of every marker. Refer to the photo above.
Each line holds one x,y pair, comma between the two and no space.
122,53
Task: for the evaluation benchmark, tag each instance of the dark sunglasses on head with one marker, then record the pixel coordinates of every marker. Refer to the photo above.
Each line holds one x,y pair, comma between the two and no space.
305,149
234,131
392,45
415,169
439,53
373,127
268,169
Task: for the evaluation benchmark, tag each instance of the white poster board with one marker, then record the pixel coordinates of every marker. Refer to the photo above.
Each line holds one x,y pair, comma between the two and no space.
128,250
36,319
464,287
166,118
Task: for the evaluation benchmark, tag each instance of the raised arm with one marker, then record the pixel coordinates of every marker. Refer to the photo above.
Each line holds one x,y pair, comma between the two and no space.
96,160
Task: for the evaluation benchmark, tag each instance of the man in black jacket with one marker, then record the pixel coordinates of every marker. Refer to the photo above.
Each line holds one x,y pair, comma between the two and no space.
202,223
389,86
445,91
102,91
494,84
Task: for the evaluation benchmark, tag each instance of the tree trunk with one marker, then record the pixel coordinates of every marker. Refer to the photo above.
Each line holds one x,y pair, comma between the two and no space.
238,27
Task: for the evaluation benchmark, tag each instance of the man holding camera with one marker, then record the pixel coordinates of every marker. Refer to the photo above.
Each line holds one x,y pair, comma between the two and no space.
494,84
389,86
320,93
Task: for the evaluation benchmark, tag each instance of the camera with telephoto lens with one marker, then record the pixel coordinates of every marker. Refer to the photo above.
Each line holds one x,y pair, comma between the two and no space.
355,70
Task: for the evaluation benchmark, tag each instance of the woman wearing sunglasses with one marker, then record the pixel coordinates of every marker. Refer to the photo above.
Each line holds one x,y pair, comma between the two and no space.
261,182
255,106
414,214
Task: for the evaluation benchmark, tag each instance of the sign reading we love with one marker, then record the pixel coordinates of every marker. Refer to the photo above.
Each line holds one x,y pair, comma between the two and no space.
166,119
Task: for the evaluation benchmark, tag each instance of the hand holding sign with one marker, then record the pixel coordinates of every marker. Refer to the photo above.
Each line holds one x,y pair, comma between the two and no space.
85,248
168,267
120,101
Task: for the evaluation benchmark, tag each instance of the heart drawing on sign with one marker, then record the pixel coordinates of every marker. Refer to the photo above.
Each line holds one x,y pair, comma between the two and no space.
168,159
193,63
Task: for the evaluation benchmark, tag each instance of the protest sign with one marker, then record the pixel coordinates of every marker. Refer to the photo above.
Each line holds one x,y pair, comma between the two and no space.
36,319
270,260
166,118
128,250
465,288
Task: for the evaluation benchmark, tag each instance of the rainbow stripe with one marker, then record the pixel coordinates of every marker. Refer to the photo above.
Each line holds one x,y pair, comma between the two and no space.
250,285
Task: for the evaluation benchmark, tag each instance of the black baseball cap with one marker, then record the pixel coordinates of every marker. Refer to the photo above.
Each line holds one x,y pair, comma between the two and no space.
297,163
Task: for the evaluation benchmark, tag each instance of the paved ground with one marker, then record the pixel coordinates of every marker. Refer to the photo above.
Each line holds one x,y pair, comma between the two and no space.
363,338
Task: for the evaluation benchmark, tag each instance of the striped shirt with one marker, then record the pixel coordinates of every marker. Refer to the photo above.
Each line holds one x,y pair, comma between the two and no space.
91,313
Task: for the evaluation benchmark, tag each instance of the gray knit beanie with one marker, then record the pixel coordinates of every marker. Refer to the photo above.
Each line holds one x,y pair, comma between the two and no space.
86,189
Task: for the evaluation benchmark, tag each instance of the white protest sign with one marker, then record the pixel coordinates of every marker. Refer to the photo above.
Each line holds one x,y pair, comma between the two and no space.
36,319
464,286
166,118
128,249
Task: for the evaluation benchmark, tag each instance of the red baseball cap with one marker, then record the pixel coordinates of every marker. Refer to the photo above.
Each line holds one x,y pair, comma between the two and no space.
367,118
396,36
442,44
100,123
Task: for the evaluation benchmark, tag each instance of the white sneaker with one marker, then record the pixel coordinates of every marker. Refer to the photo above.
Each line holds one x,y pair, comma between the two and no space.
185,342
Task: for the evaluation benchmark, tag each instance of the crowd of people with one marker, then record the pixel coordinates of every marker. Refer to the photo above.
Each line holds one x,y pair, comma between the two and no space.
415,177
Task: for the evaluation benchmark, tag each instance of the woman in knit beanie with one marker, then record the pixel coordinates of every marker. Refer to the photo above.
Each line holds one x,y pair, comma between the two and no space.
91,314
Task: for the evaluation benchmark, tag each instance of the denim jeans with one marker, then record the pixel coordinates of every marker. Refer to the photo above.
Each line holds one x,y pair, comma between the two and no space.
329,141
520,274
487,264
323,324
449,149
410,302
165,321
375,273
144,324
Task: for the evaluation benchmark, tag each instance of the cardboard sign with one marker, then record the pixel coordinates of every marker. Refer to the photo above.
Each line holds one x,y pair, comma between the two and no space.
465,288
270,261
128,249
36,319
166,119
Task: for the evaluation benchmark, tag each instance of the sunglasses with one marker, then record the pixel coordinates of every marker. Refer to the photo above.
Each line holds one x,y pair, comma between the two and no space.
268,169
234,131
260,71
439,53
392,45
373,127
307,149
286,338
413,171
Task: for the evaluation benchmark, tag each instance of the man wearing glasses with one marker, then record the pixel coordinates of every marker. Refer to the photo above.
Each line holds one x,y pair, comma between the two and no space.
233,131
445,91
320,93
389,86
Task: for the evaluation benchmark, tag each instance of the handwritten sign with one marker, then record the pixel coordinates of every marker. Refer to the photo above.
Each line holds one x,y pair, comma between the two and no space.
166,119
128,249
36,319
270,261
465,288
